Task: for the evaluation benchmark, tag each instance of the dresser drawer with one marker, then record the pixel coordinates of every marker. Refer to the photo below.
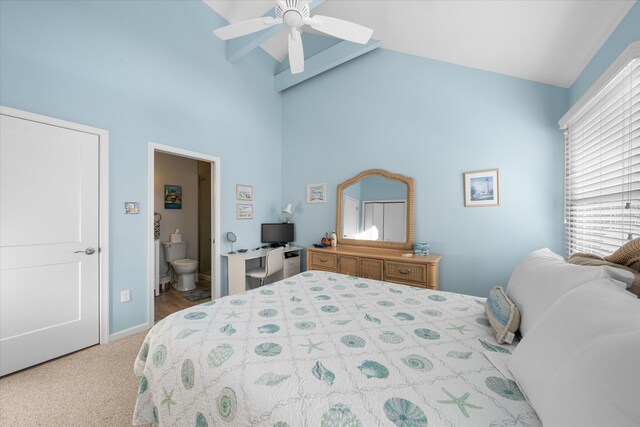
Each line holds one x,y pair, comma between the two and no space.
411,274
348,265
323,261
371,268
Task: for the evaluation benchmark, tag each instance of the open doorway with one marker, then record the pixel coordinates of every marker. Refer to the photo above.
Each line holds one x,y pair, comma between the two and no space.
184,267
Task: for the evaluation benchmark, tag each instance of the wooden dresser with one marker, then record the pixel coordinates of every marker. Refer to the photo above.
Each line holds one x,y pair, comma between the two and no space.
377,264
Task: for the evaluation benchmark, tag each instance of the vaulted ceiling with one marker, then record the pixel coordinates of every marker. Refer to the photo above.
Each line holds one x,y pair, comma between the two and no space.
544,41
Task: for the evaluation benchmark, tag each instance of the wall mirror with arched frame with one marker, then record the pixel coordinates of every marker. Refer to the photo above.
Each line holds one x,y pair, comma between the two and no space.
375,209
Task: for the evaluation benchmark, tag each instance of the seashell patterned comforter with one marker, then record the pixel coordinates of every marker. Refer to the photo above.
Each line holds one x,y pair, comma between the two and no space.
324,349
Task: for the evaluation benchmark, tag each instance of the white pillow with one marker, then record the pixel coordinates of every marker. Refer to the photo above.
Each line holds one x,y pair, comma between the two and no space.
544,276
578,365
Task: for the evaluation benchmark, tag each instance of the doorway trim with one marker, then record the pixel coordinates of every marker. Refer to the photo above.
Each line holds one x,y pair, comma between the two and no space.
103,201
154,147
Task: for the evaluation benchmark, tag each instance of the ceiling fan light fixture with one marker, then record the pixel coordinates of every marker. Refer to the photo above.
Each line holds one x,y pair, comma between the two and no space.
299,7
292,19
294,14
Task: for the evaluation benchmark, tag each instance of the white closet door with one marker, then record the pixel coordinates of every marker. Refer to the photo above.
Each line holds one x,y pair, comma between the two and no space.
394,222
367,215
49,287
374,217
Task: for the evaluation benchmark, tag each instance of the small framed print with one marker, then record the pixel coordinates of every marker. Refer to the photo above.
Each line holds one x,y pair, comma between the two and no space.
173,197
244,211
317,193
131,208
482,188
244,192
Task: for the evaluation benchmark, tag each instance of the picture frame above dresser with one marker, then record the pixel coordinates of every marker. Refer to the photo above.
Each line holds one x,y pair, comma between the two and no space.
375,229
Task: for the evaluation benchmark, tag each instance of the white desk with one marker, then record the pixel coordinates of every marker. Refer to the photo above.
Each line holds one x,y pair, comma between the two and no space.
237,267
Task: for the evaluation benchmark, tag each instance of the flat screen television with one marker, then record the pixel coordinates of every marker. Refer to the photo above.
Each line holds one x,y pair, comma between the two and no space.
277,233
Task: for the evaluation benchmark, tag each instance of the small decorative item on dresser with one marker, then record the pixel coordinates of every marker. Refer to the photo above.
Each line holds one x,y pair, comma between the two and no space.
325,240
334,239
422,249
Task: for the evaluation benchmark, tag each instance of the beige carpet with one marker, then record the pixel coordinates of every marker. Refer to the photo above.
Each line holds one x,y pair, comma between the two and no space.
92,387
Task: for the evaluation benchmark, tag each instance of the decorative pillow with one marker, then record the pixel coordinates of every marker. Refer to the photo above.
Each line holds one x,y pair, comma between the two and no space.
544,276
627,255
578,365
503,315
591,259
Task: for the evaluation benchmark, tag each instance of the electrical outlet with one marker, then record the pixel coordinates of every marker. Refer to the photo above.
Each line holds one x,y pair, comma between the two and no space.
125,296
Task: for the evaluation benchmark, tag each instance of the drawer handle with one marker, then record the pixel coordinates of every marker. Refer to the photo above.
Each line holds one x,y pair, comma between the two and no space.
401,271
323,259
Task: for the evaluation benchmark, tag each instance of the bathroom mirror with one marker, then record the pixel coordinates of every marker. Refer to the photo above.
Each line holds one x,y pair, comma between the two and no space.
375,208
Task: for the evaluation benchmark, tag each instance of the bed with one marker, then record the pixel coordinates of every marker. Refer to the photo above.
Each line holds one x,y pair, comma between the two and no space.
326,349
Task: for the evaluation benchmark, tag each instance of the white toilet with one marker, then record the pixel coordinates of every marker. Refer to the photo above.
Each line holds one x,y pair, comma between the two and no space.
186,269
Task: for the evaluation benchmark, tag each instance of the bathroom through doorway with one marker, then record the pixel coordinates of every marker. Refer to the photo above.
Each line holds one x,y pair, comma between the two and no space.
184,220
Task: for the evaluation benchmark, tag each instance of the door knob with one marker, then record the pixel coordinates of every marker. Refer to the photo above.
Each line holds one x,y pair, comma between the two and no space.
88,251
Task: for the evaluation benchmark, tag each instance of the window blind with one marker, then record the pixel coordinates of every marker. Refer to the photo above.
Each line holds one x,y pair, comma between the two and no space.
602,168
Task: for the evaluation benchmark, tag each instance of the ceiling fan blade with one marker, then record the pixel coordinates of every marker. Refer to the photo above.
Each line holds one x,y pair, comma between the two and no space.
296,52
339,28
246,27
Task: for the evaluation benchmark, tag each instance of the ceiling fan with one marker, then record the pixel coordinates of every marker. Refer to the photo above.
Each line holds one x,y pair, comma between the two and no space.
294,14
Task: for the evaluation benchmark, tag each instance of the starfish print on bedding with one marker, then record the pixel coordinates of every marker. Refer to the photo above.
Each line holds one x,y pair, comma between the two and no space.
313,346
460,329
168,400
232,314
358,306
460,402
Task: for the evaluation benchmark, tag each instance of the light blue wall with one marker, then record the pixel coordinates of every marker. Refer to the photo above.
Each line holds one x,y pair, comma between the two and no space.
433,121
627,32
354,190
147,71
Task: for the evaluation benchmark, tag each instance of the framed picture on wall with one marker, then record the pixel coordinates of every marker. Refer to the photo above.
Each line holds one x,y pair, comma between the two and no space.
173,197
317,193
244,211
244,192
482,188
131,208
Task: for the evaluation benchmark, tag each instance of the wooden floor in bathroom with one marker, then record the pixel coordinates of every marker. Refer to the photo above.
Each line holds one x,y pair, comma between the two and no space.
172,300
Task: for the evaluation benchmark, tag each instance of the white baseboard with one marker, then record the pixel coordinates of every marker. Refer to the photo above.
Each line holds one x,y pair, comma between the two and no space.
204,277
128,332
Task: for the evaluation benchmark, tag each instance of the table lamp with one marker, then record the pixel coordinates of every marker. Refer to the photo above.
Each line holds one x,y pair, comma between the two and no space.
288,211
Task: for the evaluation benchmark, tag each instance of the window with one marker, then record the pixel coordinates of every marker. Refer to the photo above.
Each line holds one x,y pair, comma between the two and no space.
602,166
